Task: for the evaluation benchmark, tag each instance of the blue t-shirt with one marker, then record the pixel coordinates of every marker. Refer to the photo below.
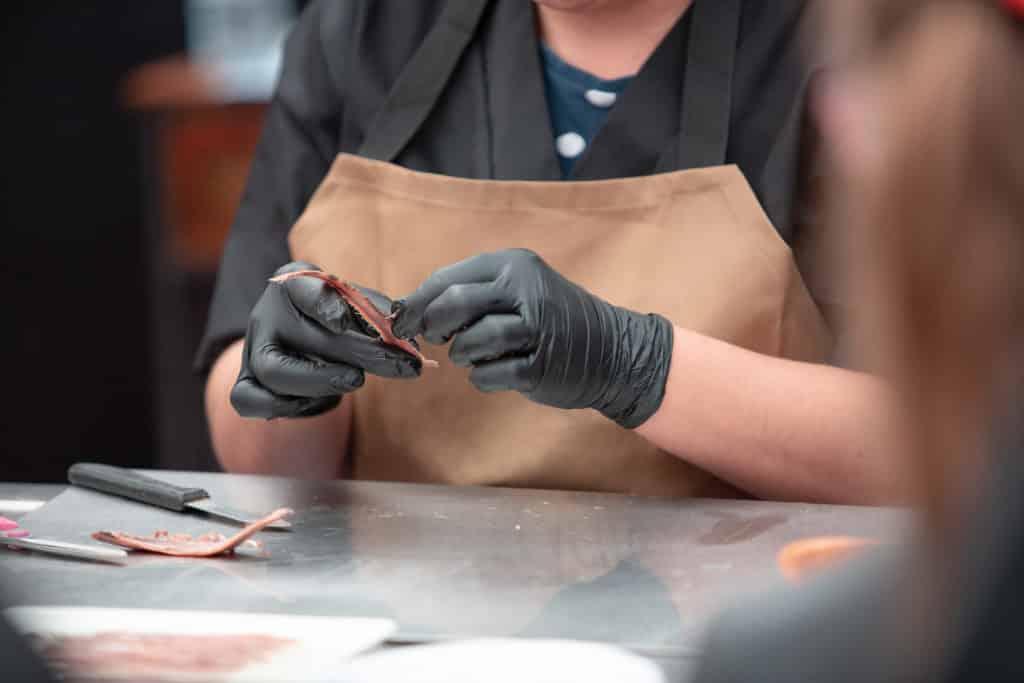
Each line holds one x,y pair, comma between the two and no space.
578,103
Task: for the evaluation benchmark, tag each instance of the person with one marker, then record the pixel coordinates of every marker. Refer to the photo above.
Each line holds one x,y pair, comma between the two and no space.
931,198
405,138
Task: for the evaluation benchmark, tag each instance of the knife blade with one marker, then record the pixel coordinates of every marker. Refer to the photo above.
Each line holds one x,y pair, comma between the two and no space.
82,552
123,482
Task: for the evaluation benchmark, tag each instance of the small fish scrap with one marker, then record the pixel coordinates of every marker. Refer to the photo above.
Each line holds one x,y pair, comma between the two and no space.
811,556
373,316
184,545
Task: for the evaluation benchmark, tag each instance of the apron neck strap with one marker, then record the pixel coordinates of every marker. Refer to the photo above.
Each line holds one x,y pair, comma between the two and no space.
421,83
706,108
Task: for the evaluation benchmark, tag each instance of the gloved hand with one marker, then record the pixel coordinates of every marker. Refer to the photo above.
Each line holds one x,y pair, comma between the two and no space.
304,349
521,326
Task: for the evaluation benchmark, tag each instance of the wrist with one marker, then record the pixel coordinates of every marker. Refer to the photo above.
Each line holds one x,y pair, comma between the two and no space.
641,359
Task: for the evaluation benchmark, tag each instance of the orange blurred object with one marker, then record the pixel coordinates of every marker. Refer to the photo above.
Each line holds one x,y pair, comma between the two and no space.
204,144
802,559
206,155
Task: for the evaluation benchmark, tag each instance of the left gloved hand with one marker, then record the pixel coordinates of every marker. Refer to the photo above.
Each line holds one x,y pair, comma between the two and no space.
521,326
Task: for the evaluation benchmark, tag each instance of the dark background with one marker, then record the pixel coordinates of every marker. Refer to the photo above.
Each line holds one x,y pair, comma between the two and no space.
77,377
79,370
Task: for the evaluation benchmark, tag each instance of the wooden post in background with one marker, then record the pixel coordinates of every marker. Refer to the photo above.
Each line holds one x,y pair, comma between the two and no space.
198,148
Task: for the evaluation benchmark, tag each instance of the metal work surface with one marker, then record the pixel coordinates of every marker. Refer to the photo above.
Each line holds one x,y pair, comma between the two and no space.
445,561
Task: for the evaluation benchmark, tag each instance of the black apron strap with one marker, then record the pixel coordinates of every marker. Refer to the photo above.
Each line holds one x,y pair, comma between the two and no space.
706,108
421,83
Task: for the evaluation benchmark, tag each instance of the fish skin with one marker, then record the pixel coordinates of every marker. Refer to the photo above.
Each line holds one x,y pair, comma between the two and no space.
184,545
364,308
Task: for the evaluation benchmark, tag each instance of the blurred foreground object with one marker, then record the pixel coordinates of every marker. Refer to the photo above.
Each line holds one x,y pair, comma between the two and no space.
20,664
504,661
808,557
1015,6
181,646
921,115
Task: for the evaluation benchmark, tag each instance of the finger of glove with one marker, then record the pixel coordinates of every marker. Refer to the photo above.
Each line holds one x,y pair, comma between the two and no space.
249,399
294,267
378,358
318,406
381,302
410,310
507,374
491,338
291,374
460,306
318,301
351,348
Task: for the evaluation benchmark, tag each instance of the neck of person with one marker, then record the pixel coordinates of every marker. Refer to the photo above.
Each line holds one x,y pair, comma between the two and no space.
609,39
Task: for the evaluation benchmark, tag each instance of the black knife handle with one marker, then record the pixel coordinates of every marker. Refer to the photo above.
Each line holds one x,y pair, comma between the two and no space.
122,482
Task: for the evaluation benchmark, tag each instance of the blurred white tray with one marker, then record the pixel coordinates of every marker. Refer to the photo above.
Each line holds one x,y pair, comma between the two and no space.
501,660
320,648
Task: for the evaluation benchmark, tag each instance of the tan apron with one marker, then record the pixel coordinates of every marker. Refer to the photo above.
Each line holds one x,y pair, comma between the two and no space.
694,246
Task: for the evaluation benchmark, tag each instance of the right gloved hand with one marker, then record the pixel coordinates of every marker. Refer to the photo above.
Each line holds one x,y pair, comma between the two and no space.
305,349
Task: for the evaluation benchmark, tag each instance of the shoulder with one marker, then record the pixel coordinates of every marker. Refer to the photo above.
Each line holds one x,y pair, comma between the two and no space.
779,19
773,69
332,14
373,25
361,38
774,56
775,33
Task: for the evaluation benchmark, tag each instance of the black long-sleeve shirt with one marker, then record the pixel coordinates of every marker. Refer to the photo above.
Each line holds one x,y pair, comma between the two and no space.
492,121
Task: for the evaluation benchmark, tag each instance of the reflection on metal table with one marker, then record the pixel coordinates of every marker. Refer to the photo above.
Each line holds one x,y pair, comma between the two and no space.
446,561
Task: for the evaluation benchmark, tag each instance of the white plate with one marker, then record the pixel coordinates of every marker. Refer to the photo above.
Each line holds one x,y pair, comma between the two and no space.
320,648
503,660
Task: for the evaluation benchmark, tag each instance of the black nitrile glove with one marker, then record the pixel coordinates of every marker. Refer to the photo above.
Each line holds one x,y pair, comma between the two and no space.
521,326
305,348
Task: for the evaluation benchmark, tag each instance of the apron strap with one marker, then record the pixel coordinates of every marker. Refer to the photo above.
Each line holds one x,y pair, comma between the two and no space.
707,92
421,83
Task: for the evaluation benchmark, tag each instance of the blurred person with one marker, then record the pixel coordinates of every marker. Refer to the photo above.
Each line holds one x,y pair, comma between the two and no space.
670,403
921,114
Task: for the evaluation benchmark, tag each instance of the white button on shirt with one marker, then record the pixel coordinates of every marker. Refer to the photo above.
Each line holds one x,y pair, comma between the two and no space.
600,98
570,145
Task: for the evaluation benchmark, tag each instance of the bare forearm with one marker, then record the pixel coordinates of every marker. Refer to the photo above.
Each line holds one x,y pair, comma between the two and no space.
311,447
779,429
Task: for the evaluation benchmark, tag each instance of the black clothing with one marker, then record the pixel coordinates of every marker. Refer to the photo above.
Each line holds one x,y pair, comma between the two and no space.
491,120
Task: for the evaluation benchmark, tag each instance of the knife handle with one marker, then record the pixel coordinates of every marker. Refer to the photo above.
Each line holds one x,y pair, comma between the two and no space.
123,482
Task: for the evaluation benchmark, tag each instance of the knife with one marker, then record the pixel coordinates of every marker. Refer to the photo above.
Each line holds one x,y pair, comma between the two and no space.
82,552
123,482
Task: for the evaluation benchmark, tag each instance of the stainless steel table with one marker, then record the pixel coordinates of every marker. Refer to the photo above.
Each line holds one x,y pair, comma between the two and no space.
447,561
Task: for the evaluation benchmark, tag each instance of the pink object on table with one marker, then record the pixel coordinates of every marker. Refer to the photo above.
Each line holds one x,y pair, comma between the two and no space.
7,524
17,533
